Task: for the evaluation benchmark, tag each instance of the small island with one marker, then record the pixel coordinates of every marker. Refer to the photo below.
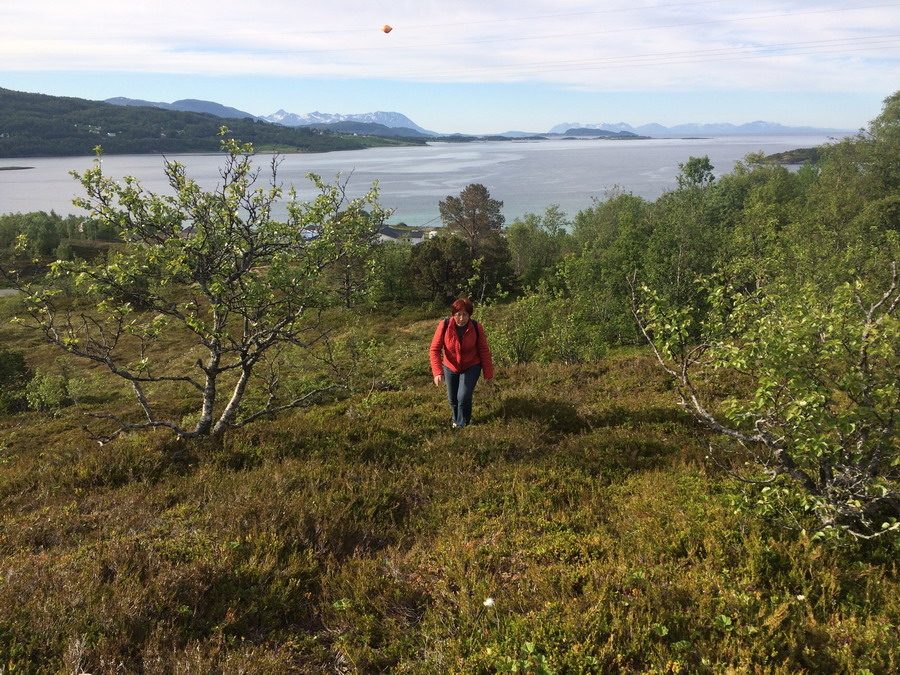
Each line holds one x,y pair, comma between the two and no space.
796,156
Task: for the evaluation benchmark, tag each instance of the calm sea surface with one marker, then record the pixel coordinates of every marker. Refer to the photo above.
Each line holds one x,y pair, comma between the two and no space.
527,176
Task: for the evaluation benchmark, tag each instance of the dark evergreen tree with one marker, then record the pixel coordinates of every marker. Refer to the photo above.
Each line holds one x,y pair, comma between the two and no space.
473,214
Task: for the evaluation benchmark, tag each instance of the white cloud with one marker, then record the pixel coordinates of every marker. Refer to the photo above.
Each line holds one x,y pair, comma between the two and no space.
654,45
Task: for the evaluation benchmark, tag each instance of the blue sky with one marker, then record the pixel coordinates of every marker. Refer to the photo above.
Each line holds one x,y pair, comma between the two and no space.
472,66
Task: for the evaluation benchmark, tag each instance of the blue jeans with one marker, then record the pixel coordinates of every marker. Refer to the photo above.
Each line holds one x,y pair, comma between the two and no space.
460,387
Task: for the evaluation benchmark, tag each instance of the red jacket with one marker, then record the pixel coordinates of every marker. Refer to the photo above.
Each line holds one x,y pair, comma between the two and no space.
460,356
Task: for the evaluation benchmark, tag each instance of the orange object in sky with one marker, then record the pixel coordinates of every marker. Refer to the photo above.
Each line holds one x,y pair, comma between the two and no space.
387,29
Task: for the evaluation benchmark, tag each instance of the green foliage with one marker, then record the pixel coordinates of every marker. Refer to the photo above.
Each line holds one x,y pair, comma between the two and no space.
614,236
758,201
491,273
63,252
846,229
696,172
543,327
688,235
52,388
48,234
14,376
883,144
570,335
516,331
607,222
473,214
475,218
529,660
820,409
804,313
214,270
537,244
47,391
440,268
393,272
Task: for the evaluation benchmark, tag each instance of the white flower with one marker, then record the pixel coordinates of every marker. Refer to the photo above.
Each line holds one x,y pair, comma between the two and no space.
488,602
801,597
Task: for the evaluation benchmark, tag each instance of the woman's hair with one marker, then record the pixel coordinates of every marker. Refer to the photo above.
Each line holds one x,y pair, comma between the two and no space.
462,305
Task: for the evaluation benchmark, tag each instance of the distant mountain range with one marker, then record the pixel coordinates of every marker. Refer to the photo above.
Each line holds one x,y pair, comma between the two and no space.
598,132
187,105
37,125
392,120
396,124
374,124
720,129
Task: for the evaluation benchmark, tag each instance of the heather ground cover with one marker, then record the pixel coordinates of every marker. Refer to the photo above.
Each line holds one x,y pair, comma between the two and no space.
576,527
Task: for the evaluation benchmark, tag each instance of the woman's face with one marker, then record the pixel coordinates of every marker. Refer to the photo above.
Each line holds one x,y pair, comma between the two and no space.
461,318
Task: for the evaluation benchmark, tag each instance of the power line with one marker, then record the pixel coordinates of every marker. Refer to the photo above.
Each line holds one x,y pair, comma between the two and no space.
617,10
835,46
482,22
687,60
609,31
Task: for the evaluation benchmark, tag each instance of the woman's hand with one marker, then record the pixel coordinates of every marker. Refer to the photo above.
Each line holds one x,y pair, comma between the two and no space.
438,380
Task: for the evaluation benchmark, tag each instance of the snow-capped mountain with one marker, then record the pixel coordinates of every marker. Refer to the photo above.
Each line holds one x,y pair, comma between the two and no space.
395,120
388,119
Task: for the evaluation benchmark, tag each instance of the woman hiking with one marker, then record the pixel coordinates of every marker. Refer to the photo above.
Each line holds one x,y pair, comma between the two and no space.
466,355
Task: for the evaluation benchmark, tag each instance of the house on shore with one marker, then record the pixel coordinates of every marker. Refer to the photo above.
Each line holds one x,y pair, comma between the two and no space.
405,235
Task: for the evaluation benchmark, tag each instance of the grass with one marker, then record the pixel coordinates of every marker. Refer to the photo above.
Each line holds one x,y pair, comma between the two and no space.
363,535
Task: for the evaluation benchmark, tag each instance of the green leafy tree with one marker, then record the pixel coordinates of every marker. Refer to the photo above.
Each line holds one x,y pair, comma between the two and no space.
393,271
491,272
822,407
696,172
687,235
756,202
882,143
613,235
48,391
440,268
802,322
476,218
848,227
47,232
600,225
517,329
211,268
355,279
537,244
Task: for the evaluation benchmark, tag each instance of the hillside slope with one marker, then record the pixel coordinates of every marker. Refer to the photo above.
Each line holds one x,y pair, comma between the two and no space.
36,125
575,526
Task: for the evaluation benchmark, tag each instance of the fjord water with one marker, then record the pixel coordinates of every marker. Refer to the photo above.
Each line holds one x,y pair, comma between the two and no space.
527,176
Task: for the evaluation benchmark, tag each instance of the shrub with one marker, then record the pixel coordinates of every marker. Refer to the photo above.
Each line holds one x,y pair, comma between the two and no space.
14,374
540,327
515,332
570,336
48,391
